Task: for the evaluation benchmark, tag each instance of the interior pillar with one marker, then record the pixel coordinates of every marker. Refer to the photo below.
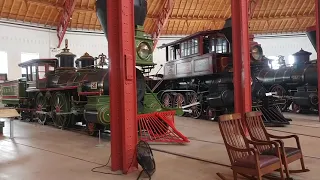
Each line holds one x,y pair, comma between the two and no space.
241,58
317,4
122,79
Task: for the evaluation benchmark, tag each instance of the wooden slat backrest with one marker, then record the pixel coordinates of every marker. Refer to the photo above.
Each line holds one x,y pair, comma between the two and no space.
257,129
232,134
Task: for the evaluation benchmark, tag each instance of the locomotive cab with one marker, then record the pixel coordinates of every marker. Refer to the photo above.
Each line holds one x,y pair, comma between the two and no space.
36,72
203,53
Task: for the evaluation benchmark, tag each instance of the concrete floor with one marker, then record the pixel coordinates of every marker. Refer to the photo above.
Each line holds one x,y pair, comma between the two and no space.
43,152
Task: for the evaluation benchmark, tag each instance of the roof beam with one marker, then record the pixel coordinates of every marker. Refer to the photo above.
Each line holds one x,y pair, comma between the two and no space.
39,2
65,19
251,20
252,6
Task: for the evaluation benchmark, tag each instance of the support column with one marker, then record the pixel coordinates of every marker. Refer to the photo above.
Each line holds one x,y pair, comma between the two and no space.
241,58
245,54
317,4
236,54
122,78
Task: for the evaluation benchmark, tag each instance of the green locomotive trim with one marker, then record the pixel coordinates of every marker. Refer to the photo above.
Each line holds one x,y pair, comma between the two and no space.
10,90
10,101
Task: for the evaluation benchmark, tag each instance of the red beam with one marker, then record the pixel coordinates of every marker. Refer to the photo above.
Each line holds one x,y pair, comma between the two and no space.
252,5
317,4
162,20
122,77
66,14
241,58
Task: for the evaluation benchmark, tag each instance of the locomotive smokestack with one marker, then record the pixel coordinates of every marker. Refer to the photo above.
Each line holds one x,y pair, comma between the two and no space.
227,29
66,58
140,13
311,33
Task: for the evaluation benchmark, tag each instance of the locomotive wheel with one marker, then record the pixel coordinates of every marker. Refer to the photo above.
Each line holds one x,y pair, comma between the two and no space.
211,114
179,101
280,92
197,109
166,100
93,128
40,106
60,104
296,108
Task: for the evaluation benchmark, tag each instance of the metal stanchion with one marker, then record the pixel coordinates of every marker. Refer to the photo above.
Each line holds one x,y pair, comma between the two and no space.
100,145
11,128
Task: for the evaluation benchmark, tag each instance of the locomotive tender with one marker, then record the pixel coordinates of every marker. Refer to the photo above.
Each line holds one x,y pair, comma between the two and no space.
198,77
55,90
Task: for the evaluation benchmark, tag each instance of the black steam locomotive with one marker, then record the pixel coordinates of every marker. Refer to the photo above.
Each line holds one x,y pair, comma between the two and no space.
297,85
198,77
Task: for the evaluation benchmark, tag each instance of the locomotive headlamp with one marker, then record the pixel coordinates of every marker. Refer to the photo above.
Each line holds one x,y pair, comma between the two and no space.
256,52
144,50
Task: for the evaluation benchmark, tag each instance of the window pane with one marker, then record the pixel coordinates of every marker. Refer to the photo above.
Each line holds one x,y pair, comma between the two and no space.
196,46
213,45
26,57
182,49
34,73
4,62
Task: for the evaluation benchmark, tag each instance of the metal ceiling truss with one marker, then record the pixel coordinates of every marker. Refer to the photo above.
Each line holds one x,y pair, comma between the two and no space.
66,14
162,20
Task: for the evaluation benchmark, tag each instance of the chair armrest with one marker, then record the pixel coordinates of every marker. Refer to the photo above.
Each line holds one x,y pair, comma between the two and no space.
287,137
260,142
242,150
282,137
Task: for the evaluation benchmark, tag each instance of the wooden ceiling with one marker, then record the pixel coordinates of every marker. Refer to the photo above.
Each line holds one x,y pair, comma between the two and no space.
188,16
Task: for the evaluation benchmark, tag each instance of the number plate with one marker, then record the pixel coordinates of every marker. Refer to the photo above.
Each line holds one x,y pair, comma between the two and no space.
94,85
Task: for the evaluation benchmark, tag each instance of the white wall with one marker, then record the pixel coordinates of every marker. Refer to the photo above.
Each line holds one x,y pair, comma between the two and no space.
285,45
15,39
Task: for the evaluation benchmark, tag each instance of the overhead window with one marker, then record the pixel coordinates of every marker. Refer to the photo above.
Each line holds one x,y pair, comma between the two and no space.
4,62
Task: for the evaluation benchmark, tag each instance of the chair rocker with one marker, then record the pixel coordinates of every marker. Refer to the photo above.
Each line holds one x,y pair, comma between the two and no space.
244,160
259,133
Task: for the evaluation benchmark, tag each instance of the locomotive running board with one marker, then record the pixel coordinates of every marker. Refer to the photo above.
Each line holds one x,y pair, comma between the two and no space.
159,127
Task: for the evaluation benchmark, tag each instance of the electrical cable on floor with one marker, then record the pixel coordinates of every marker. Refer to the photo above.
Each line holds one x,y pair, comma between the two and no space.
106,165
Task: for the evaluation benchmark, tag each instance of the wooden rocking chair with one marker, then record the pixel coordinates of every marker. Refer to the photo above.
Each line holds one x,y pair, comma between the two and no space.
244,160
259,133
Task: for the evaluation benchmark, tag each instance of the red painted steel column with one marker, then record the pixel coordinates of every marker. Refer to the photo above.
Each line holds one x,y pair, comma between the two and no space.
236,53
241,58
245,52
122,77
318,44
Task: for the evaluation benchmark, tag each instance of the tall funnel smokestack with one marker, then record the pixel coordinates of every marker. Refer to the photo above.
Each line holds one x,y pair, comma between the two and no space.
227,29
311,33
140,13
